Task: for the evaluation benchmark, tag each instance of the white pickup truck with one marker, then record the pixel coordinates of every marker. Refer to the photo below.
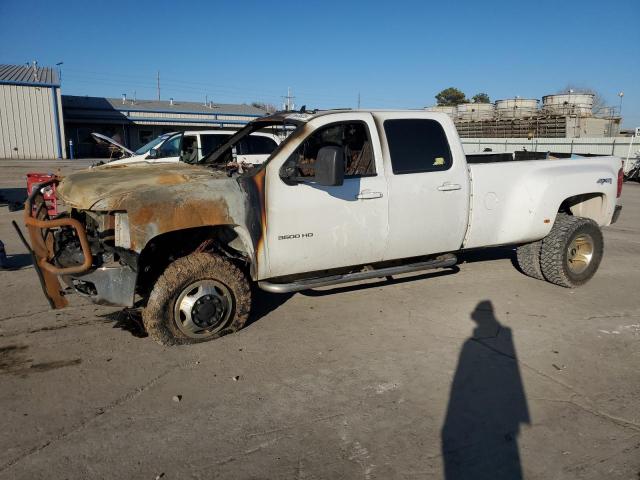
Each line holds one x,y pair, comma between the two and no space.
349,195
192,146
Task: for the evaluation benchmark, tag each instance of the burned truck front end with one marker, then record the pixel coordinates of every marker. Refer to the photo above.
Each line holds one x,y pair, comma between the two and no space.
78,249
124,224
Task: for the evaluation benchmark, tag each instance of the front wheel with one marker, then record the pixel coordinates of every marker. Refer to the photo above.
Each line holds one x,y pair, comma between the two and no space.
198,298
571,253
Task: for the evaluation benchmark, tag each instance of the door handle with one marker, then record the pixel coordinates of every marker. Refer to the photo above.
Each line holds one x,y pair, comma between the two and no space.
447,187
368,194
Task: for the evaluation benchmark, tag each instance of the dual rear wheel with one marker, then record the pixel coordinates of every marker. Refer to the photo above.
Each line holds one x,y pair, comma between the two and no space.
569,256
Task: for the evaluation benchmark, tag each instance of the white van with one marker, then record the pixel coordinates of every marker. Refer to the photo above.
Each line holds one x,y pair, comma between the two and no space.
193,146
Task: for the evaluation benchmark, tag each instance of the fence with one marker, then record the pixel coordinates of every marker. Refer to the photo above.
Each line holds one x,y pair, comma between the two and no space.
618,146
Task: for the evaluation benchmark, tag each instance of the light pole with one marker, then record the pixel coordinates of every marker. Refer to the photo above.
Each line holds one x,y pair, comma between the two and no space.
621,94
59,65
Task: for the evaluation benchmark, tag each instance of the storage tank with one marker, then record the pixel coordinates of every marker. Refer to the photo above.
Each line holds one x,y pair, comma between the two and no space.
475,111
449,110
516,107
580,104
606,112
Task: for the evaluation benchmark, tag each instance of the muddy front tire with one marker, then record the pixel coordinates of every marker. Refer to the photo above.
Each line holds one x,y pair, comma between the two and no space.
571,253
198,298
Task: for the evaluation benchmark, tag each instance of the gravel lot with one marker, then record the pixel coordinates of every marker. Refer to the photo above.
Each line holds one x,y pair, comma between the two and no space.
478,373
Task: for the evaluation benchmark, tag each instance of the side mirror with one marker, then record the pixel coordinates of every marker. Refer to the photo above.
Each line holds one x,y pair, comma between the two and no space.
153,153
329,166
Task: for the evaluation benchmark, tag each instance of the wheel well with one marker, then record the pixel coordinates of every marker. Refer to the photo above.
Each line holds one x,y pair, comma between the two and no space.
162,250
586,205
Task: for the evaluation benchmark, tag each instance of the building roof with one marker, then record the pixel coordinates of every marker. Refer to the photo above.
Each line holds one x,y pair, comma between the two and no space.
158,106
28,75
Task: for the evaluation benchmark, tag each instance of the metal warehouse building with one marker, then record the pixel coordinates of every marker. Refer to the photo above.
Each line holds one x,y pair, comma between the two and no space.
30,113
134,122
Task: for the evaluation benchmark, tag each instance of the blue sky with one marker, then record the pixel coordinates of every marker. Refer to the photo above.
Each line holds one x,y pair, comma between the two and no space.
394,53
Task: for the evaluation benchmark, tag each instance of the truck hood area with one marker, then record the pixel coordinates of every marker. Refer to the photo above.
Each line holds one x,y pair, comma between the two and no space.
103,186
163,198
104,140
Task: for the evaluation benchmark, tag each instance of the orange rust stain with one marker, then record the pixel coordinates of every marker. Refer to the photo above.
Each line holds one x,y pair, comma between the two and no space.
171,179
168,216
259,181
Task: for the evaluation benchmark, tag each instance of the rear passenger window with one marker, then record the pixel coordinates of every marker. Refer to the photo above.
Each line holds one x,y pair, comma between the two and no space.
212,142
417,145
257,145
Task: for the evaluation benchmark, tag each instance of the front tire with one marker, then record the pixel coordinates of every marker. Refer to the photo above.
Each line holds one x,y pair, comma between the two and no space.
197,298
571,253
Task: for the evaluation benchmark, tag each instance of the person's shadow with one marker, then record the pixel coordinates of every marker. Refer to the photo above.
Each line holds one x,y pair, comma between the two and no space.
487,405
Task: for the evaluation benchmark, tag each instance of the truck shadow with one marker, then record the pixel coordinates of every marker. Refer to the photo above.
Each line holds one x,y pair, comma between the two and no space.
17,261
489,254
263,303
487,405
13,198
127,319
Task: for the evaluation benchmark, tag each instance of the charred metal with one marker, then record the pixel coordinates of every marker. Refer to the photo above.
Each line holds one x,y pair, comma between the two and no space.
125,224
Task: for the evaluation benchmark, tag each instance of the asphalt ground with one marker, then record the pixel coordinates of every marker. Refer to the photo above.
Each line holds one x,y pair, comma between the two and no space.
479,372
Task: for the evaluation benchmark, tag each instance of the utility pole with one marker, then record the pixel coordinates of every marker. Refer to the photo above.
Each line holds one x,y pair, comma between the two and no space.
358,100
288,100
158,85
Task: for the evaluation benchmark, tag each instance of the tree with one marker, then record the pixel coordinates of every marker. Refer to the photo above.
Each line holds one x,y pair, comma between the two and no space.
598,100
481,98
450,97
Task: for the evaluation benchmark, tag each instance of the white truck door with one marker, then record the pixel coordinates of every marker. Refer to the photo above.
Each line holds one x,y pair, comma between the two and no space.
312,227
428,185
168,151
255,149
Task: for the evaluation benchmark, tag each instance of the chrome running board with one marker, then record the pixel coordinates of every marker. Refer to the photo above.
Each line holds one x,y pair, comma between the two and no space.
443,261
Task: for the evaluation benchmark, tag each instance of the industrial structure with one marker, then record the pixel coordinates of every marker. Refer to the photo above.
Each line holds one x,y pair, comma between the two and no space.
567,115
30,112
37,122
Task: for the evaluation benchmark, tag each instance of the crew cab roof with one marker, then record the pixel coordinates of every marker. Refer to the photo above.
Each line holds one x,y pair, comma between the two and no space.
304,116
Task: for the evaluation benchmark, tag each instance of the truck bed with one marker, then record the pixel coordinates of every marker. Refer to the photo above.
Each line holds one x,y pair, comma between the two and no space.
519,155
517,201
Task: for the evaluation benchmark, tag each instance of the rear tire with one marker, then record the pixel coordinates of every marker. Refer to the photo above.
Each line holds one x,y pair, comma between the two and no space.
197,298
571,253
528,257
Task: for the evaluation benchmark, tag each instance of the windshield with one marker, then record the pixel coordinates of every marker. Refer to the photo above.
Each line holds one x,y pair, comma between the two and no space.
152,144
223,154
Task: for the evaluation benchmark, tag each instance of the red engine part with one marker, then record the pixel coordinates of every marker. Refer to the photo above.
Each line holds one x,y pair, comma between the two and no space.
35,179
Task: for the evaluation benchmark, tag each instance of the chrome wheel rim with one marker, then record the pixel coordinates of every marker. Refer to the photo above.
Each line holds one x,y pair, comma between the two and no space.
203,308
580,253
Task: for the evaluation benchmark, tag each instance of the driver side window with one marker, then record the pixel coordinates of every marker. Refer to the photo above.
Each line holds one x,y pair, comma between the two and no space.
352,137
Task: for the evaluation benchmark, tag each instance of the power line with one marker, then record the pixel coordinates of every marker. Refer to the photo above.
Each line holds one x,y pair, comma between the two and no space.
198,89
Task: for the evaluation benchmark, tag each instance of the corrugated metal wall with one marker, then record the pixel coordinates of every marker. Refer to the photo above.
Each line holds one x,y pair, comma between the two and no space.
27,122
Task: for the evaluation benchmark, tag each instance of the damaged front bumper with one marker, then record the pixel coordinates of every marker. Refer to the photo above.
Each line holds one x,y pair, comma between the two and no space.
112,285
104,284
